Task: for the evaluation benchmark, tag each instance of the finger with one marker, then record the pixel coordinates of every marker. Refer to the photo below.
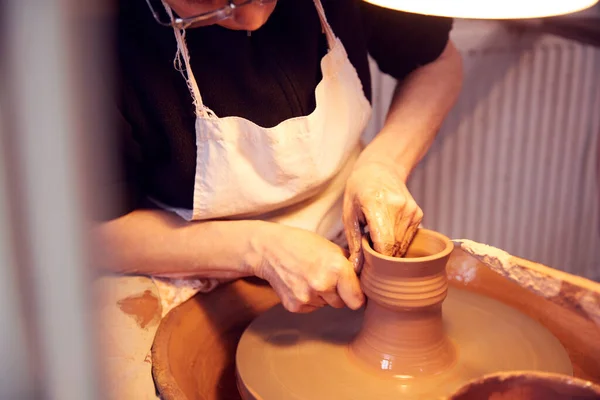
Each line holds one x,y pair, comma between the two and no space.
324,283
305,309
294,306
408,222
381,229
309,291
317,301
411,230
353,233
407,240
288,291
404,218
333,299
348,288
298,289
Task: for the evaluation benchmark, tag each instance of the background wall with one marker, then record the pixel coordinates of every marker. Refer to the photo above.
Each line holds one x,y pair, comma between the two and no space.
516,162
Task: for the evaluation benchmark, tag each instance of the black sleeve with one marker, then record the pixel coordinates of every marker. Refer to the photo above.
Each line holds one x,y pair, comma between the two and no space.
401,42
122,179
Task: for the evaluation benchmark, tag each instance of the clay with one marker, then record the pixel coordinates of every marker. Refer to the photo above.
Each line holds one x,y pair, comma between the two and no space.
145,308
194,350
402,331
399,346
527,385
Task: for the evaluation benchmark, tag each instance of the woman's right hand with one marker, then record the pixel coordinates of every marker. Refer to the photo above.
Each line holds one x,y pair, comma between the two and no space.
306,270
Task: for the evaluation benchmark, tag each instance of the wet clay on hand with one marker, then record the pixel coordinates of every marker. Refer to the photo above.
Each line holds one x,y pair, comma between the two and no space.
415,339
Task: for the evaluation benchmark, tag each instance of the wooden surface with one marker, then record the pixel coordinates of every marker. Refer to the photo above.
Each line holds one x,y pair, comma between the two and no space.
194,350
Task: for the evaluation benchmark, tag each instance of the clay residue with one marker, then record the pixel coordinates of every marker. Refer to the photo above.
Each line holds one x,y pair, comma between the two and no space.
590,303
579,299
502,263
144,308
463,272
174,290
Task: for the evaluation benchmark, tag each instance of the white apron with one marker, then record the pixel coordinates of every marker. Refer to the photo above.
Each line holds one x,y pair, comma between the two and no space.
293,173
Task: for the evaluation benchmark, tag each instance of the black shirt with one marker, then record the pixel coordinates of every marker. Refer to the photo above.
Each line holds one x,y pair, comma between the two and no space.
267,77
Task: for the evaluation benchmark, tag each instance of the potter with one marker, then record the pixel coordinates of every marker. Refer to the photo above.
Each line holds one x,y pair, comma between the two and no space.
233,168
239,135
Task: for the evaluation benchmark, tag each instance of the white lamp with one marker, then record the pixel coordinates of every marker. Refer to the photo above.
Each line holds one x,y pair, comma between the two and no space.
487,9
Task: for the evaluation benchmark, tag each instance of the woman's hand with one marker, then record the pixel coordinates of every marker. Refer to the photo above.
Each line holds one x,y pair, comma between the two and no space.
306,270
376,195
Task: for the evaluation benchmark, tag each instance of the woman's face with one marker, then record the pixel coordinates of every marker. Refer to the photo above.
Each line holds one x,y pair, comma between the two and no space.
247,18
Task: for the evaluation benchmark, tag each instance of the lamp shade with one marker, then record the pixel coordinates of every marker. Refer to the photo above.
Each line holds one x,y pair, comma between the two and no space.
487,9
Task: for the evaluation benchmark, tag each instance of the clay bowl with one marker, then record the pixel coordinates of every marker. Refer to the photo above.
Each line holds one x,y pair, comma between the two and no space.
194,350
527,385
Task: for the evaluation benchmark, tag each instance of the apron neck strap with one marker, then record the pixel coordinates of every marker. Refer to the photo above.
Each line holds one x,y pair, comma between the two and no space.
324,24
182,57
182,64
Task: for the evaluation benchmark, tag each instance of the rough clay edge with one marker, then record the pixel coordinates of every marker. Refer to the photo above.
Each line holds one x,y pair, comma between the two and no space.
168,390
577,293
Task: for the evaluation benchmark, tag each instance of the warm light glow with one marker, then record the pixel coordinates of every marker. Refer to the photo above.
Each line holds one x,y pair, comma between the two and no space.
485,9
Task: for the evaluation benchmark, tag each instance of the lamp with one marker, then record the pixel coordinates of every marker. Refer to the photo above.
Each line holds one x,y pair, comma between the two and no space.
487,9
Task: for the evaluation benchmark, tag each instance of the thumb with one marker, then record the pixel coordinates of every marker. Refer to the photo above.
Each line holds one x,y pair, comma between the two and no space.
353,233
348,288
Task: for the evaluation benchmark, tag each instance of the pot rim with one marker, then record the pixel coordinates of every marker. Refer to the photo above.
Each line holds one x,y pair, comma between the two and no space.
449,246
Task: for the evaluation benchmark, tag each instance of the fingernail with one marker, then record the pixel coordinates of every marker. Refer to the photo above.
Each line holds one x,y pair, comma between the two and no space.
360,300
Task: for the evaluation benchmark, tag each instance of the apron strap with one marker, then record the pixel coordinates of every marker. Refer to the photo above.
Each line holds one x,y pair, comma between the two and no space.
185,68
325,25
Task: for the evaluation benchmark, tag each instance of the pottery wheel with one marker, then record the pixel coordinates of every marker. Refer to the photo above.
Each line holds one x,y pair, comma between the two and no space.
305,356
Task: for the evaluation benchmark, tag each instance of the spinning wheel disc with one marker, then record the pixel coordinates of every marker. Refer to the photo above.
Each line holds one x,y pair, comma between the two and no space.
285,356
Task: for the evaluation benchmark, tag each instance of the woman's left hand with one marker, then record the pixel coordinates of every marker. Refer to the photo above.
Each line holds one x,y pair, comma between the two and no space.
376,195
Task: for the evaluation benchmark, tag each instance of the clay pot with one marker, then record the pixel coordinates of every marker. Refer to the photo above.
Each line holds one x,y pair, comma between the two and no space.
402,332
528,385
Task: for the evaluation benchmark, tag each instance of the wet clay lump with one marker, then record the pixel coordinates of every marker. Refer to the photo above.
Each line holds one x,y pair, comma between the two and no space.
405,344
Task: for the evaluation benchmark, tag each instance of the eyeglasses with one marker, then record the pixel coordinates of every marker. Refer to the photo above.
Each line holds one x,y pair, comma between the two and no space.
207,18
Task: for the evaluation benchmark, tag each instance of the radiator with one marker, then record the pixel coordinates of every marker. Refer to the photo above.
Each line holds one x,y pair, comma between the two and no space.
516,163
